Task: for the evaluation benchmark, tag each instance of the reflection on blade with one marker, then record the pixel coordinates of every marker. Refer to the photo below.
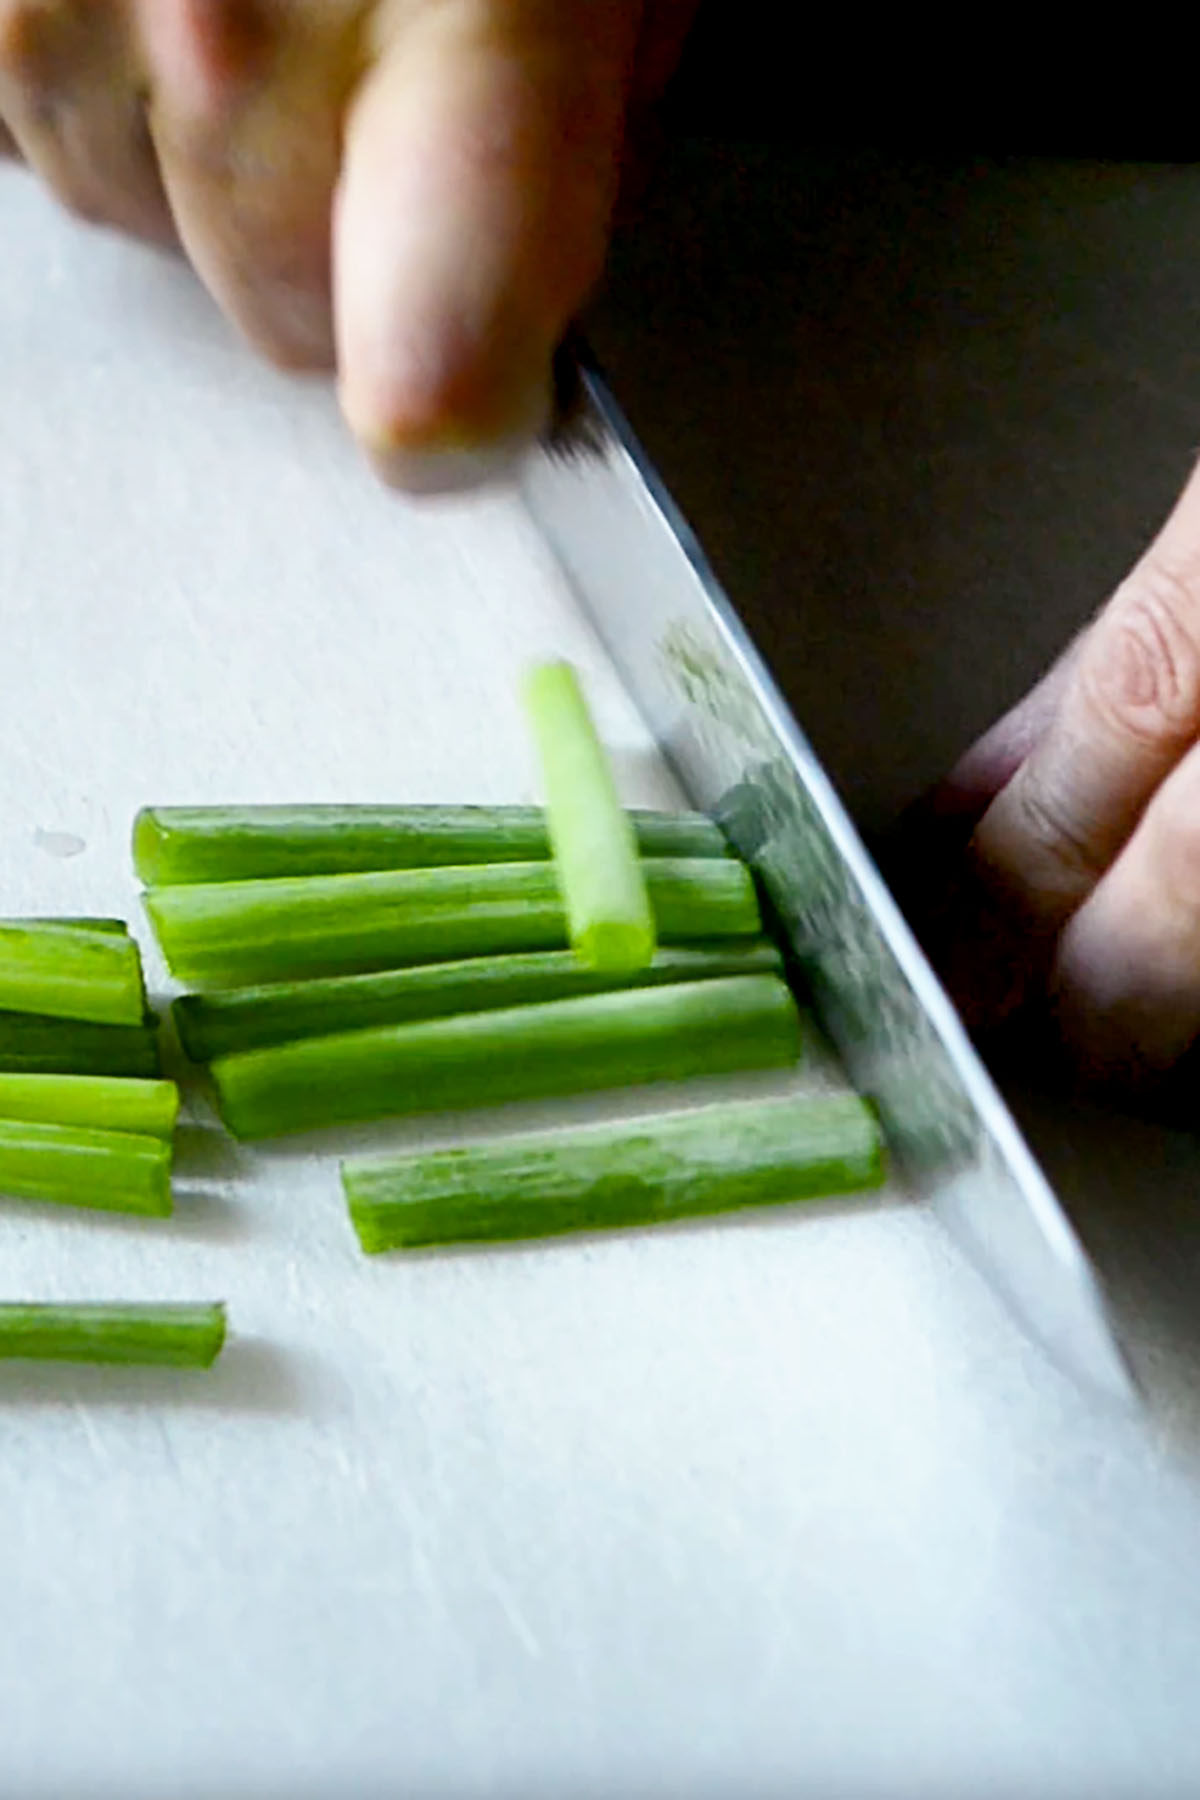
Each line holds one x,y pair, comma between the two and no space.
722,724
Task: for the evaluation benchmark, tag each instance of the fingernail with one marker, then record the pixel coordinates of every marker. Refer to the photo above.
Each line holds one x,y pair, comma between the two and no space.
430,474
440,432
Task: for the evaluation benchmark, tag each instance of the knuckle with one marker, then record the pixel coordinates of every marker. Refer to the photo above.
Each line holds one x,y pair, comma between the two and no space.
1141,666
1048,819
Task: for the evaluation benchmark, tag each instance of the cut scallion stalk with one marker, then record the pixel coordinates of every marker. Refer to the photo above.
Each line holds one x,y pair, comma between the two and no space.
229,934
212,1025
178,845
31,1043
521,1053
74,1165
100,1102
71,972
629,1173
180,1336
596,856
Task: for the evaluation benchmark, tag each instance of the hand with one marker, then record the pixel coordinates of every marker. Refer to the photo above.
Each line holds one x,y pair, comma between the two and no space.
1081,815
419,191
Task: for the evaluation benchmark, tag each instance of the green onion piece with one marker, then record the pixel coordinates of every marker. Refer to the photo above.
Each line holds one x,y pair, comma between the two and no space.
521,1053
596,858
179,1337
33,1044
632,1172
76,1165
177,845
212,1025
229,934
68,972
101,1102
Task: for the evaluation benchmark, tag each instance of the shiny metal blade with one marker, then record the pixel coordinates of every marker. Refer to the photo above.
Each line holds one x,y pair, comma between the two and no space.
722,724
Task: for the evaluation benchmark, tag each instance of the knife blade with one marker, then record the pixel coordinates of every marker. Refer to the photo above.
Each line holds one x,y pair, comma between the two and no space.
687,661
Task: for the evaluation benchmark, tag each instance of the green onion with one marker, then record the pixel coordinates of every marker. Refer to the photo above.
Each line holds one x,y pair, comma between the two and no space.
212,1025
639,1172
520,1053
102,1102
33,1044
75,1165
596,858
180,1337
228,934
69,972
178,845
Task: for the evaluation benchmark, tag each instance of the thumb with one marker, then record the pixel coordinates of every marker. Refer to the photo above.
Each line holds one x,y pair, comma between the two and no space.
478,185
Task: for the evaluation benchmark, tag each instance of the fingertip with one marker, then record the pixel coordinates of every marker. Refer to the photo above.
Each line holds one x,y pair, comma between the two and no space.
445,462
434,418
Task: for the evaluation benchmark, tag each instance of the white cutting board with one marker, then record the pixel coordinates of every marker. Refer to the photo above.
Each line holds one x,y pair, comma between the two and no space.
782,1505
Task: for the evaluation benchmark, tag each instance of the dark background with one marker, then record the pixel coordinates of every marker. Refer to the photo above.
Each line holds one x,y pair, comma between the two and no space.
1001,83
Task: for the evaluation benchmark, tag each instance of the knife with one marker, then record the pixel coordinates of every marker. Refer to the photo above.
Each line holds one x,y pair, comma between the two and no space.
642,579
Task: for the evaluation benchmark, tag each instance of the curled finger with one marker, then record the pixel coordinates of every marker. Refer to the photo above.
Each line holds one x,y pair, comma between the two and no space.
72,96
924,859
1127,978
481,170
247,102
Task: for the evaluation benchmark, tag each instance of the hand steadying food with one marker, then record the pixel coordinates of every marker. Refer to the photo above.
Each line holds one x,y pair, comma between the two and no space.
417,190
420,192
